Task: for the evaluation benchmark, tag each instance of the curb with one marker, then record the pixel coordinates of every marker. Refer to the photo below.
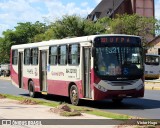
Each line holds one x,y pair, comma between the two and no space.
150,81
152,88
152,85
5,78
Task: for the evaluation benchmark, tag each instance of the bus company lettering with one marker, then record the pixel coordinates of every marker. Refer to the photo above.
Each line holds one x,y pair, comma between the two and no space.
30,71
57,73
115,40
71,70
36,72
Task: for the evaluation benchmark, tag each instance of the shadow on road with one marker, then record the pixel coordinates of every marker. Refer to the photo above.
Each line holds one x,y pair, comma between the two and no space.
54,98
130,103
139,104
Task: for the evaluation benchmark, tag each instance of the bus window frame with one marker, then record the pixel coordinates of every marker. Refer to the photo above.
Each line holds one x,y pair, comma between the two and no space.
59,55
27,56
50,55
70,55
13,57
31,57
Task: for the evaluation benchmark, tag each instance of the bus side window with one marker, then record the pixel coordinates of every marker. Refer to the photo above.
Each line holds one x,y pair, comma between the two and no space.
27,56
34,56
14,57
74,54
62,59
53,59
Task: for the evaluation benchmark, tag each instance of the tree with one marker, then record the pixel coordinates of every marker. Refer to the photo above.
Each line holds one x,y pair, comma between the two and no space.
103,25
70,26
27,31
134,25
23,33
5,45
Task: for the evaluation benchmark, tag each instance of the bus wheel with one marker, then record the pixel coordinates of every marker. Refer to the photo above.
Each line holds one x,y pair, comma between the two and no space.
74,97
31,89
117,100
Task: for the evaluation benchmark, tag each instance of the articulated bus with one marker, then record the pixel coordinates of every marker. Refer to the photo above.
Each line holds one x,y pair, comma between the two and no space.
152,66
95,67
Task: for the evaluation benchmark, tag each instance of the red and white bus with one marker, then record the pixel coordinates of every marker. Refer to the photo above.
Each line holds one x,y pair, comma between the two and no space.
93,67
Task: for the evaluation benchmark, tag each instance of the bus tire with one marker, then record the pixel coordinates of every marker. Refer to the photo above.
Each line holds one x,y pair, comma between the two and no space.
32,92
74,96
117,100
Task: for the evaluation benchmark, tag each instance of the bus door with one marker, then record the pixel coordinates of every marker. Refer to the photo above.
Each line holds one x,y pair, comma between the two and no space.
20,69
43,70
87,73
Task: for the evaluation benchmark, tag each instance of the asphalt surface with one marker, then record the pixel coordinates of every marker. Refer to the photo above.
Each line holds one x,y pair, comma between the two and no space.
6,87
147,107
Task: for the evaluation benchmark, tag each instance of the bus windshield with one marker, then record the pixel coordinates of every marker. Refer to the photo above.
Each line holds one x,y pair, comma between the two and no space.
118,61
152,60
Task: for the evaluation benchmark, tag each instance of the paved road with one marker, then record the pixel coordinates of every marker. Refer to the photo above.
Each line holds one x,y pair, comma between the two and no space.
147,107
6,87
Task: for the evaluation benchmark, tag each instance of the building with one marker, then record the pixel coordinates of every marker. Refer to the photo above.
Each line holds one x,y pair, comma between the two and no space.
154,46
112,7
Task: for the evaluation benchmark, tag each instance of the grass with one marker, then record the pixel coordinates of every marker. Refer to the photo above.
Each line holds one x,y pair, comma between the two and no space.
109,114
80,110
41,102
65,113
77,108
2,96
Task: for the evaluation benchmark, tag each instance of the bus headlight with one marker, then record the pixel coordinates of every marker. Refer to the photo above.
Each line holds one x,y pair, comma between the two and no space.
139,87
101,88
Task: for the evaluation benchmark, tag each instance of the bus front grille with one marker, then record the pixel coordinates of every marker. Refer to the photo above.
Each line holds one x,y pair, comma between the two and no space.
122,83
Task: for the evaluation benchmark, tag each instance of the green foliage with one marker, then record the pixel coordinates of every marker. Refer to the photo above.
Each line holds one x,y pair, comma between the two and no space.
77,108
71,26
103,25
27,31
23,33
134,25
49,34
5,45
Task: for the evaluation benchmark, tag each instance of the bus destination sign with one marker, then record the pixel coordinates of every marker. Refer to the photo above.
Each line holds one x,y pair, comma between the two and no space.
116,39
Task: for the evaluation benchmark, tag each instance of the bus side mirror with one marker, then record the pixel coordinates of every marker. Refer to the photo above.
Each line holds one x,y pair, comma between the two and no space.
93,52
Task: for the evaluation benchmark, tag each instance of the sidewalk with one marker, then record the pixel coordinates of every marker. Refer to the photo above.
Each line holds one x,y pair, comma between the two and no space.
152,84
5,78
12,109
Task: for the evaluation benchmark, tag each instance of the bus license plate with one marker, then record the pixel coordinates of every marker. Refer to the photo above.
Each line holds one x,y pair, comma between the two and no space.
122,95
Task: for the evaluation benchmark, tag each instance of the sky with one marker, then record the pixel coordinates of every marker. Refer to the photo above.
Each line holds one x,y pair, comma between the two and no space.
15,11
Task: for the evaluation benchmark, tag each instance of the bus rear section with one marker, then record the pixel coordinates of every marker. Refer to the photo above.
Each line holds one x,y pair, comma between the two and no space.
118,67
152,66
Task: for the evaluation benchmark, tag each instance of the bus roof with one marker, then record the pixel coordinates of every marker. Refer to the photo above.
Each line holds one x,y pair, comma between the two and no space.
65,40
